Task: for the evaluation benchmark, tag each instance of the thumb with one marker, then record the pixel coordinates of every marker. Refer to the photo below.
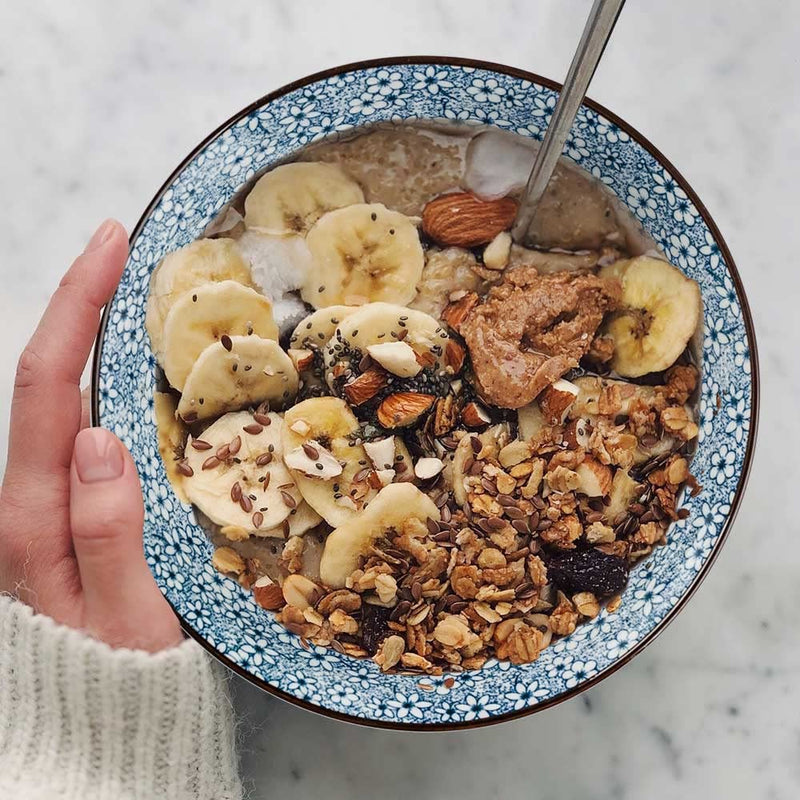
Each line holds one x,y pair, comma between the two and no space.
122,604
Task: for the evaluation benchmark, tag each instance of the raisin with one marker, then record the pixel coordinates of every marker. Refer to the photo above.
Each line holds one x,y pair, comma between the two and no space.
588,571
374,626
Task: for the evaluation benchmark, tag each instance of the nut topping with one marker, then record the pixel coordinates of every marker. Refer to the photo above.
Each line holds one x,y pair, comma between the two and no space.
403,409
464,220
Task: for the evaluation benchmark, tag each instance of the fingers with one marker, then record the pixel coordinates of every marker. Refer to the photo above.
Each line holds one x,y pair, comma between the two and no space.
86,405
123,605
46,407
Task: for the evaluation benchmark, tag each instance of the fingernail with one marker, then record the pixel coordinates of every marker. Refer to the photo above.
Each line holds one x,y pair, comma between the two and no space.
100,236
97,456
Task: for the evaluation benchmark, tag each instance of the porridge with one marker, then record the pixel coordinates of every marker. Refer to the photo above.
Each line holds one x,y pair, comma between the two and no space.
414,440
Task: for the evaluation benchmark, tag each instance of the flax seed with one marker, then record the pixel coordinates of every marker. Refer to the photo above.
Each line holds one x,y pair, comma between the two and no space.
525,591
489,486
288,499
310,451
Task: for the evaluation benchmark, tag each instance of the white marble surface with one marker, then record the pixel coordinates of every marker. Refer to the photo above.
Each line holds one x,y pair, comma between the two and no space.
101,100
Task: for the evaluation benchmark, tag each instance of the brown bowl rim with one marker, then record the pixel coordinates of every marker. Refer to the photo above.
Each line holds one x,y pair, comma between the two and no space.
754,381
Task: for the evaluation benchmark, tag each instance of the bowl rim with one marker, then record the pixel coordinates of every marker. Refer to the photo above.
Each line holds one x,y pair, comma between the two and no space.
755,383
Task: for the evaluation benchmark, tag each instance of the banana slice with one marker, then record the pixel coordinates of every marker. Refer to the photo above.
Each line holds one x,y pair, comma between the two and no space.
378,323
530,420
291,198
328,425
661,311
300,521
316,330
172,436
587,405
495,437
310,337
199,262
392,506
252,370
217,473
363,251
624,490
202,315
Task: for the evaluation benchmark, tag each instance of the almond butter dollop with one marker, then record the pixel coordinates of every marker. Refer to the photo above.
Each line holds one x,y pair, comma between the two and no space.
531,329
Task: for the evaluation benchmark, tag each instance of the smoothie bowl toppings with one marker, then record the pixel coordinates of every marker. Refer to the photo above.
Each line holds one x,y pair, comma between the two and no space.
412,439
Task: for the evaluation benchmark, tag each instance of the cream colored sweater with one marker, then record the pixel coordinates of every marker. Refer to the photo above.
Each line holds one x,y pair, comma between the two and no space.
80,720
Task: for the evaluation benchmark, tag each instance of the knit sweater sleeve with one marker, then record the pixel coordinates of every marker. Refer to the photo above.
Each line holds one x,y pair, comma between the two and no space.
79,720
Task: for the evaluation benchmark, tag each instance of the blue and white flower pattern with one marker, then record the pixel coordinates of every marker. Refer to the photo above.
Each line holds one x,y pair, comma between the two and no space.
477,707
432,79
723,464
527,694
178,551
385,82
486,91
640,202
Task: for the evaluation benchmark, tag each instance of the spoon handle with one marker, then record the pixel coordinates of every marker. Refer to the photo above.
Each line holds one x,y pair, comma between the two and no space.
593,41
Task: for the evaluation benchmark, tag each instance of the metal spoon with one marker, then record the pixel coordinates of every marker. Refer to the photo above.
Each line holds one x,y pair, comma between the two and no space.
596,34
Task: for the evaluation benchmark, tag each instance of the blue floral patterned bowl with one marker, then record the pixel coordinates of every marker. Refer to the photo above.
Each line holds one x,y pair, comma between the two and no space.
220,614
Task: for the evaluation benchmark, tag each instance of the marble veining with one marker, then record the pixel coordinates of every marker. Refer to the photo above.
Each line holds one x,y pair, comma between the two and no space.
710,708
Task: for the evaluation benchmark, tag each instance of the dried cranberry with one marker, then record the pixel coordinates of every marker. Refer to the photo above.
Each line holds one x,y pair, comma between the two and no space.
588,571
374,626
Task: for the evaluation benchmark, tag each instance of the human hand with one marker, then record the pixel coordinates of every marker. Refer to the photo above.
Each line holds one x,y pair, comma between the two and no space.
71,508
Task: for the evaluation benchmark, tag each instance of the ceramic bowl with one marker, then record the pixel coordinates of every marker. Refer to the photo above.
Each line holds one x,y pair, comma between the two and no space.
222,616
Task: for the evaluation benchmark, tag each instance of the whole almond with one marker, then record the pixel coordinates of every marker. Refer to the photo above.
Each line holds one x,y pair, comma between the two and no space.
464,220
